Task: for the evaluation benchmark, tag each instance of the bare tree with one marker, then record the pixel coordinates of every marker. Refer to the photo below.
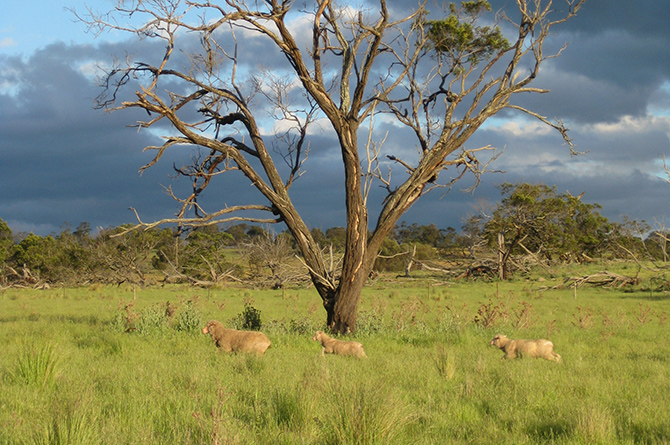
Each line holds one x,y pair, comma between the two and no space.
273,253
440,79
126,259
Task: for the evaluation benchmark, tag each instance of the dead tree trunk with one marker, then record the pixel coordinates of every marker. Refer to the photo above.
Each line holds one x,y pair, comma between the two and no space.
410,262
501,255
504,253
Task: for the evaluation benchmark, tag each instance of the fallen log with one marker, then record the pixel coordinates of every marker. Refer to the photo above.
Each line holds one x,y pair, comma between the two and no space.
604,278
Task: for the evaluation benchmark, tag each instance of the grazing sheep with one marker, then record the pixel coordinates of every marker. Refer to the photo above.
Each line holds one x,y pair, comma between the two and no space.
526,348
232,340
334,346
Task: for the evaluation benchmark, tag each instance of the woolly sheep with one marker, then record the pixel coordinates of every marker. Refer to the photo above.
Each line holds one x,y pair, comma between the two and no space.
232,340
525,348
334,346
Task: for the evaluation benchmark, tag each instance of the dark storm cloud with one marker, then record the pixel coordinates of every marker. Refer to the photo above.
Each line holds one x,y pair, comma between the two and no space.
602,77
636,18
62,161
620,171
56,150
614,64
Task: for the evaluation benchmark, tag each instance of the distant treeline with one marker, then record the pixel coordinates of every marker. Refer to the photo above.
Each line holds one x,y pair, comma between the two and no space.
531,220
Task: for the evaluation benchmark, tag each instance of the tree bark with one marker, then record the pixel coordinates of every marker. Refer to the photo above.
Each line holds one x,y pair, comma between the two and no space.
342,313
356,265
501,256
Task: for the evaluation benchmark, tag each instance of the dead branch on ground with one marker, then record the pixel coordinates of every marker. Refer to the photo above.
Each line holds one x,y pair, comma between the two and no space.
604,278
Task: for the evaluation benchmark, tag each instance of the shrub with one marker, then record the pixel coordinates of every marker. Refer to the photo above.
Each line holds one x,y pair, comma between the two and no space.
189,318
302,325
369,322
250,318
152,319
158,318
489,314
452,320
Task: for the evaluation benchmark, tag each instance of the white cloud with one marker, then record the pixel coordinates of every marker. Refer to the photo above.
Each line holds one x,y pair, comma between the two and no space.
631,125
321,127
7,42
91,69
521,128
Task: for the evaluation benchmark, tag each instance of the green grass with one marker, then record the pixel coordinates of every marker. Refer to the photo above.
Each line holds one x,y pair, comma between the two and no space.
70,374
35,367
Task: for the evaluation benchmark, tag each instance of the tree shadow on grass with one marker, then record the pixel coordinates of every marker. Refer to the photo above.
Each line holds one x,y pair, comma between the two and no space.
549,431
646,295
654,433
91,320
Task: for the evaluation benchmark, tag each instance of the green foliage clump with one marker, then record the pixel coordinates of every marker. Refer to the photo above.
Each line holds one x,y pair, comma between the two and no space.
159,318
302,325
549,223
369,322
457,37
249,318
203,252
36,253
189,318
6,242
152,320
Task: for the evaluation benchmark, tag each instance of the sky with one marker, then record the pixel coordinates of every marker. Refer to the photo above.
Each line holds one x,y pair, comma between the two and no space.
63,162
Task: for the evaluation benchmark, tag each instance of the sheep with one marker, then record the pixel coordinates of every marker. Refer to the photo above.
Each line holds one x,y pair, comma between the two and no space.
334,346
526,348
232,340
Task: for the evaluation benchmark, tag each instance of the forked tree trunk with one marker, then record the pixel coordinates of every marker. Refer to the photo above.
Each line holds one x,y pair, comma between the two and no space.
342,310
342,305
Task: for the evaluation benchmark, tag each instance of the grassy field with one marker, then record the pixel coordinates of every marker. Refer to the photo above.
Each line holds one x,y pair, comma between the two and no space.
71,375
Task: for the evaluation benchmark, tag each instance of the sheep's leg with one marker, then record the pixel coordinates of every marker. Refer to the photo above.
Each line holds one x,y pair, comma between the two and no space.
510,355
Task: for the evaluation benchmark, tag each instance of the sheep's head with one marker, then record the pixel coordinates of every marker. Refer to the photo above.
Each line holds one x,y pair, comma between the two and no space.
205,330
498,339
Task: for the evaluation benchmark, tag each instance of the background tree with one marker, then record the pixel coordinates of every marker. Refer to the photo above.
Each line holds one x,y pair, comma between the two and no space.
74,261
337,237
83,231
272,253
472,234
6,245
129,258
536,219
424,234
238,232
440,78
37,257
641,242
